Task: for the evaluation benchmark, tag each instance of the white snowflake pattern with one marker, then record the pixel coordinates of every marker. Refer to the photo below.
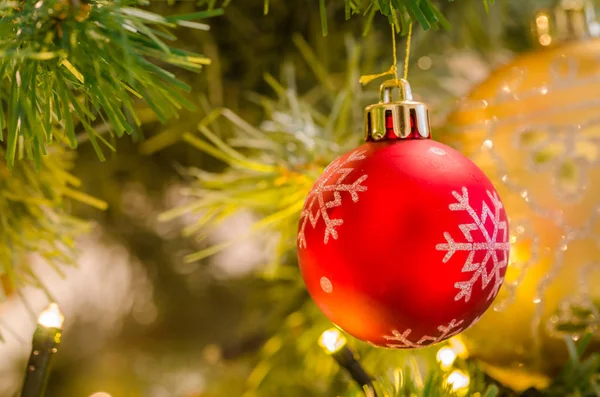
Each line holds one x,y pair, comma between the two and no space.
311,214
494,242
445,332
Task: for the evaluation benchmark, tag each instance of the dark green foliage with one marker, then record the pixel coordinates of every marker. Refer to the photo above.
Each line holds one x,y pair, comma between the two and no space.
68,65
34,218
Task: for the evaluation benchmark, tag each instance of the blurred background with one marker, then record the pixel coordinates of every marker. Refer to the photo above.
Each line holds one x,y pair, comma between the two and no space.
144,320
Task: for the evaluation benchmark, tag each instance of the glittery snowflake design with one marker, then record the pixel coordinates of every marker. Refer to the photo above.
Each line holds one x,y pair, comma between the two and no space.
316,206
402,341
494,242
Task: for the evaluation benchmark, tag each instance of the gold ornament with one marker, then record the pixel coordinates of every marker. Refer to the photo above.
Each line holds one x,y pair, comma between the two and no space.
534,128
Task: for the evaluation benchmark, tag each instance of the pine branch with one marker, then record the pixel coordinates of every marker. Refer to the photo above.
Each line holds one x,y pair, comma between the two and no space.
271,168
424,12
65,62
580,375
34,219
399,12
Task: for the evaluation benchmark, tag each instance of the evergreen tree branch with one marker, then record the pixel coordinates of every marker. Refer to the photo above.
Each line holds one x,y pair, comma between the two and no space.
34,218
270,169
65,62
424,12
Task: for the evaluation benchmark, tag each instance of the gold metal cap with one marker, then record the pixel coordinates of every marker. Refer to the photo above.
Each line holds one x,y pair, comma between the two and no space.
569,20
403,119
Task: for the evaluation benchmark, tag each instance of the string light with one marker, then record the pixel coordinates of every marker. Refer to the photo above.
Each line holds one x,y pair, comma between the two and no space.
51,317
333,342
46,340
446,357
459,381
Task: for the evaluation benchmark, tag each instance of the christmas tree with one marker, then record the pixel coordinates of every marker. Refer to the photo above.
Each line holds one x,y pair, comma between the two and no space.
172,184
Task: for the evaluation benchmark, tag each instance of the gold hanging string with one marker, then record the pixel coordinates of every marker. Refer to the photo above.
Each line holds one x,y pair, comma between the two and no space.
393,70
394,51
366,79
407,57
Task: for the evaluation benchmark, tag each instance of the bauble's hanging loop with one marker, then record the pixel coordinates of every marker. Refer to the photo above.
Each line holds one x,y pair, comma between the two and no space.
402,119
386,90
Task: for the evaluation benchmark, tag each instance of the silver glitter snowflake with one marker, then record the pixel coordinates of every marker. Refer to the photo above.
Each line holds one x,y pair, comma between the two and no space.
316,206
401,340
494,242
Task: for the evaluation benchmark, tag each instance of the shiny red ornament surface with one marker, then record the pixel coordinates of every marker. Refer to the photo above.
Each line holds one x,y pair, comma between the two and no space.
403,243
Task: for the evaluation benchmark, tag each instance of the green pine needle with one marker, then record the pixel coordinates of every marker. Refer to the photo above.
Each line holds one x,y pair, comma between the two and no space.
34,220
323,11
66,66
271,169
423,12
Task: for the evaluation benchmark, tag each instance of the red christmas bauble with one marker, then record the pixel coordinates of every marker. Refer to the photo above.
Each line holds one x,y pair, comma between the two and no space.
403,243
